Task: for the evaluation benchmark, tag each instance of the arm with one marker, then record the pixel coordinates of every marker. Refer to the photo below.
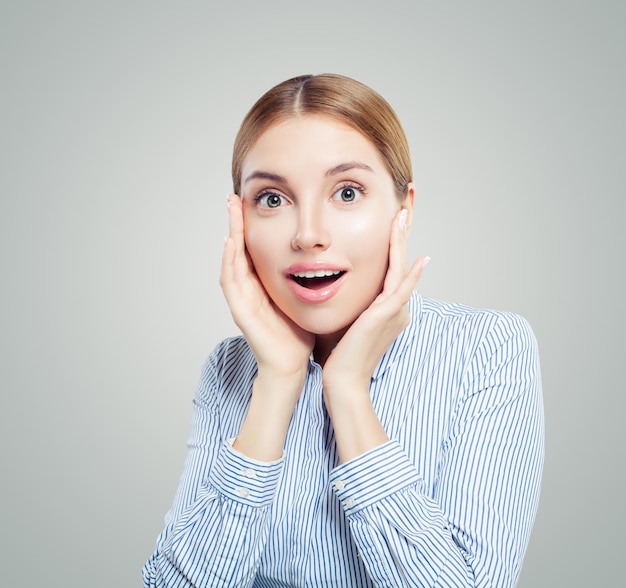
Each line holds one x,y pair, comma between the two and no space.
218,524
473,530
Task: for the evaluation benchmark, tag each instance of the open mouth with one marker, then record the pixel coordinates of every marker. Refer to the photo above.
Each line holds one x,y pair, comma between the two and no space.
316,280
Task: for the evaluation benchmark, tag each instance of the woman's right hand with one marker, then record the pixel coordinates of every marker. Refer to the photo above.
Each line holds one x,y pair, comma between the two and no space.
281,347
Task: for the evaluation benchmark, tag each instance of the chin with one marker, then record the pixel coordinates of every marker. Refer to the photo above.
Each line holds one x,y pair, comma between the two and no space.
322,323
321,329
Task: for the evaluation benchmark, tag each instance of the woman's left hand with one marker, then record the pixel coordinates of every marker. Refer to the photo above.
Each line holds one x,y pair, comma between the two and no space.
349,368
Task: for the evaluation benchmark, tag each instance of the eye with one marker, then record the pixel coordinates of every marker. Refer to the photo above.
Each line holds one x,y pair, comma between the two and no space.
348,193
270,200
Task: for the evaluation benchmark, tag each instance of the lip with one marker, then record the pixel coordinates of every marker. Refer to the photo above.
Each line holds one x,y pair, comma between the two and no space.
307,294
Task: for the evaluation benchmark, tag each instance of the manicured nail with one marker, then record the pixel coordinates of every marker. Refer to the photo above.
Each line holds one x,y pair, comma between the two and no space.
402,219
425,262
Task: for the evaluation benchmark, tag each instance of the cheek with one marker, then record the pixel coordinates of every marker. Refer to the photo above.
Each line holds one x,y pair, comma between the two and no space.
371,232
255,246
262,244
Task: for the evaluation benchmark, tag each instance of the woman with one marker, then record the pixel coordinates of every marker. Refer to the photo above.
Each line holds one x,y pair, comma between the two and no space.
357,434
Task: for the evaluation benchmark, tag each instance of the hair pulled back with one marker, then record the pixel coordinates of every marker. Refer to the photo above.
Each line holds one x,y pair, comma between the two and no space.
336,96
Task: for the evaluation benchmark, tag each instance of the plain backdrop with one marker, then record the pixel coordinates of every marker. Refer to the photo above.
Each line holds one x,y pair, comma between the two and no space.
117,122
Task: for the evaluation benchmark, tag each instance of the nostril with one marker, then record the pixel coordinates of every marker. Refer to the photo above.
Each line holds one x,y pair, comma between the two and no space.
311,236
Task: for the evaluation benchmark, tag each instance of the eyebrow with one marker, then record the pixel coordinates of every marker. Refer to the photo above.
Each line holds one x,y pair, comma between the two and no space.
342,167
261,175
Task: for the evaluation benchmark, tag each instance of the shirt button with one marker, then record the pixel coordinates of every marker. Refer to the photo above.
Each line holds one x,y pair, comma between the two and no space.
243,492
340,485
349,503
248,473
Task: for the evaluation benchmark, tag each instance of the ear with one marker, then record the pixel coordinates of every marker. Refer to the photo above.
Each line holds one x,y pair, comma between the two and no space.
408,203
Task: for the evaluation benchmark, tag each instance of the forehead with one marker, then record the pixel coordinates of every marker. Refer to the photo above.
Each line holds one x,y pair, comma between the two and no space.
311,140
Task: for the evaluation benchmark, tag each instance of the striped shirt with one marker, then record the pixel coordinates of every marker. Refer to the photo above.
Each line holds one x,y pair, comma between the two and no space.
449,501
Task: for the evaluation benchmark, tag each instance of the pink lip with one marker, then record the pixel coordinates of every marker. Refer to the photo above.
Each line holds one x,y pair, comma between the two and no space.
312,266
307,294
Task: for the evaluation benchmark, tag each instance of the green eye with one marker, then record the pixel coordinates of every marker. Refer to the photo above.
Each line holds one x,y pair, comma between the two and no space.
273,200
348,194
270,200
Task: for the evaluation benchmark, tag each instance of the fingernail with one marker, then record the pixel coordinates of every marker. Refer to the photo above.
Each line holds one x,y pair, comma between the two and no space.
402,219
425,262
228,200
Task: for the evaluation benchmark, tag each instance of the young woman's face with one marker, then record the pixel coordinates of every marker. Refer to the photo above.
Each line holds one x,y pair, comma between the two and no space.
318,204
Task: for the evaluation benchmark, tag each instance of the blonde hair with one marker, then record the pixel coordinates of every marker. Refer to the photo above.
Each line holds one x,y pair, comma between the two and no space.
336,96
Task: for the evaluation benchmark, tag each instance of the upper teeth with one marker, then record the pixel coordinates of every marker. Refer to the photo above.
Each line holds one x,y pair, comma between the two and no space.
316,274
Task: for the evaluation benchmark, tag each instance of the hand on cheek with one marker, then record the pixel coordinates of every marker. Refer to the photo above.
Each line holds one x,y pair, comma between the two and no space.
279,345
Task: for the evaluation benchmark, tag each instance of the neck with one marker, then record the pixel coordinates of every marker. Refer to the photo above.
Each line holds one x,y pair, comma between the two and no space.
324,345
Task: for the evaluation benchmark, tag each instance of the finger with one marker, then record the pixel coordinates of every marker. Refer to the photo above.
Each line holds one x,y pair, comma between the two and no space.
235,219
241,264
234,262
397,268
227,270
241,290
404,290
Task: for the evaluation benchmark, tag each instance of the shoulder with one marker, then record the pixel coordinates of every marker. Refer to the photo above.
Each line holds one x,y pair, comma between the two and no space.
482,325
473,338
230,366
227,351
448,336
493,354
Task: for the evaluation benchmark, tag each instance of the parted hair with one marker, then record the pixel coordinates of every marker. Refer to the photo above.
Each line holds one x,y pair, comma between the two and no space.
336,96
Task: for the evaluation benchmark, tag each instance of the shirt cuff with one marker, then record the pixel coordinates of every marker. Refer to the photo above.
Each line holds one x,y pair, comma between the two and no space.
373,476
243,479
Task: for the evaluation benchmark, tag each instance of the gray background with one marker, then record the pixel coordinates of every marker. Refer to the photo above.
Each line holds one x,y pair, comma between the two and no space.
117,121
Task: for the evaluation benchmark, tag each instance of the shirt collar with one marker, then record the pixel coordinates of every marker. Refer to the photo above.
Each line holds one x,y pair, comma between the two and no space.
395,353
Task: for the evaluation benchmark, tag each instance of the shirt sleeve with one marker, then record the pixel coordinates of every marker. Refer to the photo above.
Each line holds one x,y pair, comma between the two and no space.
216,529
474,529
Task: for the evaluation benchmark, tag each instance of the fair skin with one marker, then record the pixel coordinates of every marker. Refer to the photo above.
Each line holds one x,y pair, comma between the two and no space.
316,197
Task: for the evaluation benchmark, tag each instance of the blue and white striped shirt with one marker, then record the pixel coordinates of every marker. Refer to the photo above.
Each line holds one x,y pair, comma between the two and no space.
449,501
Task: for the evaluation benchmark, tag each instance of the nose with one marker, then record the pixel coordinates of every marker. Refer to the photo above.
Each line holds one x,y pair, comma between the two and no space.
311,231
